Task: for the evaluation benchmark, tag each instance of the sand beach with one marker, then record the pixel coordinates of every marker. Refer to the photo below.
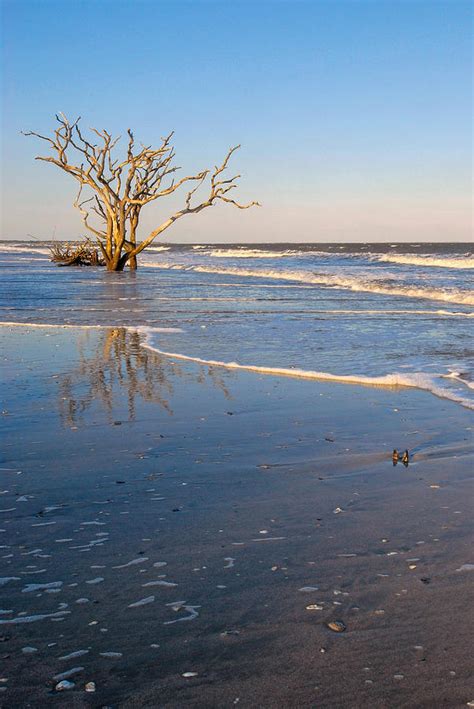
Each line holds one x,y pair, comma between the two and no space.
182,535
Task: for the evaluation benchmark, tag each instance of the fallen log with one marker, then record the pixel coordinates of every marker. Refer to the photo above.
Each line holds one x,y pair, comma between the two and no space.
66,254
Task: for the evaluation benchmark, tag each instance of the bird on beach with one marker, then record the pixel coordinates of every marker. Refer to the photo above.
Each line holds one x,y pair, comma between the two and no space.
395,456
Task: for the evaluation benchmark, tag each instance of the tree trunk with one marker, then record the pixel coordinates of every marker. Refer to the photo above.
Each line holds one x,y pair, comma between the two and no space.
132,263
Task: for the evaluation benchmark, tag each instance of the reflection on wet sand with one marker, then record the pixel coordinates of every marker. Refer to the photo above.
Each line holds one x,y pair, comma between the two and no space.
116,366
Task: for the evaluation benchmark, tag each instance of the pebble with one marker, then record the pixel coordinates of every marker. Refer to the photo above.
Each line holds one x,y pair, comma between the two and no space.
68,673
190,674
337,626
90,687
61,686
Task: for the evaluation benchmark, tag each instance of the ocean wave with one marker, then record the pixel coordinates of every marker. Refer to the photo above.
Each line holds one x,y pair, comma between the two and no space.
450,295
147,330
429,261
18,249
388,381
275,253
249,253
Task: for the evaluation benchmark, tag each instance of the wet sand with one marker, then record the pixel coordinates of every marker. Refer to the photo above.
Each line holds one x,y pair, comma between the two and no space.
192,531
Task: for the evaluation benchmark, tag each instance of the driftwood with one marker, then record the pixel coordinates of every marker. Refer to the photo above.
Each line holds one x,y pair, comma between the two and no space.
120,186
85,254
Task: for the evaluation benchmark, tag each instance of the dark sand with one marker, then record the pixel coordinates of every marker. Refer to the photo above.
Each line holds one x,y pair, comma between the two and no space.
234,481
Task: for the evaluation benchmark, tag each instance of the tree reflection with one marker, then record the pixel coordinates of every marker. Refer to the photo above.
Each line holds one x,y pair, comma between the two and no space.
118,365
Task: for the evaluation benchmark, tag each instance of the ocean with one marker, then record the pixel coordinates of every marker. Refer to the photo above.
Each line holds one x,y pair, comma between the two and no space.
384,315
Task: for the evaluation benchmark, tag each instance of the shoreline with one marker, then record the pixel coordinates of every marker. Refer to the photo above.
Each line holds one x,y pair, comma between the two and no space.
216,493
395,381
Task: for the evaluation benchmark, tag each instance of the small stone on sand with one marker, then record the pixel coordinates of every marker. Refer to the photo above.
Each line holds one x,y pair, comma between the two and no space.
61,686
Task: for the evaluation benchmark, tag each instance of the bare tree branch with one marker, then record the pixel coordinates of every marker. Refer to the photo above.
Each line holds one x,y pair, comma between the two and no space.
121,187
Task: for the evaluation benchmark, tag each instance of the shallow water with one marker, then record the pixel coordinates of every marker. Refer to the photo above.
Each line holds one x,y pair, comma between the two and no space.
386,315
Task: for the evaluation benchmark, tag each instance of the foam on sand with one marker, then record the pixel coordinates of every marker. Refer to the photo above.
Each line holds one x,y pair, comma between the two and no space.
59,326
390,381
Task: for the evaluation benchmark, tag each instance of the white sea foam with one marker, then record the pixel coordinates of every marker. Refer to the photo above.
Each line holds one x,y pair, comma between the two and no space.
356,284
7,579
428,261
275,253
19,249
165,584
459,378
42,586
148,328
395,380
248,253
182,605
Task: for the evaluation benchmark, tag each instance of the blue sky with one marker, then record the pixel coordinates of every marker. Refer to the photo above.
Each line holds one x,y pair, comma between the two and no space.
354,116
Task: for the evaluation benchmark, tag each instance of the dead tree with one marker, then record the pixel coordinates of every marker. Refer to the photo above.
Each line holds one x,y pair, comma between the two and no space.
85,254
121,187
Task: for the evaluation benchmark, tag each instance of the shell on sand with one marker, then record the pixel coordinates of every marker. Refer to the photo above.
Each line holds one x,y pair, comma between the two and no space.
337,626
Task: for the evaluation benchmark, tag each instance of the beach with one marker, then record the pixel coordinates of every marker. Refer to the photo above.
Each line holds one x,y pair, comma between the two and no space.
237,365
181,534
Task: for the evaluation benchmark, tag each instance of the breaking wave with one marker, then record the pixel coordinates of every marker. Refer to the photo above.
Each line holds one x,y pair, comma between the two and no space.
429,261
27,249
249,253
448,295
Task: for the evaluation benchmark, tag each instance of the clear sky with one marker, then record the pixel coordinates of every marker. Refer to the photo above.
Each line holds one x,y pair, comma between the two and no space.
354,115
